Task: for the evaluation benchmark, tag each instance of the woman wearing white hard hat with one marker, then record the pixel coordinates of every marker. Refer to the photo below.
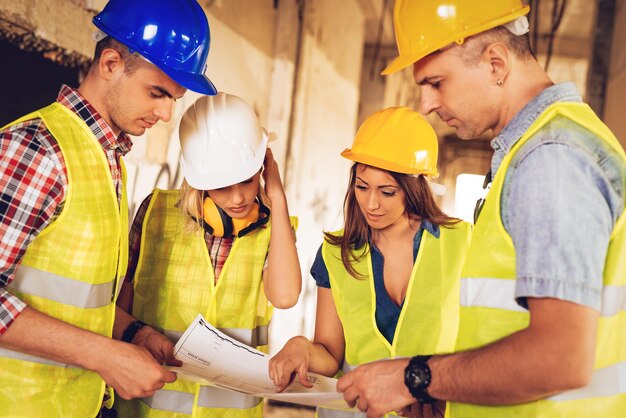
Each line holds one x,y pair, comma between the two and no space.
212,247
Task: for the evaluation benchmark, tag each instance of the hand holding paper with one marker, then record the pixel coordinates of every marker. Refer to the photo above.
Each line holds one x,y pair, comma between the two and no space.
211,357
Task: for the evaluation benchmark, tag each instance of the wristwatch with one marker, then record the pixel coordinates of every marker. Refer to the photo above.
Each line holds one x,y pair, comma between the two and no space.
131,331
417,379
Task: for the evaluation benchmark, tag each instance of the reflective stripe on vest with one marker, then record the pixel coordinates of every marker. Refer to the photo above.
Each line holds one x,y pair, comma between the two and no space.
500,294
61,289
336,413
171,400
208,397
489,311
4,352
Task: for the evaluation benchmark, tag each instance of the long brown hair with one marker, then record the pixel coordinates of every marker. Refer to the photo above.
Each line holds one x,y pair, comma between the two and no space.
419,203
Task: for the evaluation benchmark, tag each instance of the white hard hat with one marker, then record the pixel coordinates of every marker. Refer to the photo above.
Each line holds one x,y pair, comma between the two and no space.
222,142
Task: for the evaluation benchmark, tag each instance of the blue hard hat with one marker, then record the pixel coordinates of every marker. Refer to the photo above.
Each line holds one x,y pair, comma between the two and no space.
172,34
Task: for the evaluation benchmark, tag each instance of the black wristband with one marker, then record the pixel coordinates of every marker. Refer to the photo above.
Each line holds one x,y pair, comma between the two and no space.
131,331
417,379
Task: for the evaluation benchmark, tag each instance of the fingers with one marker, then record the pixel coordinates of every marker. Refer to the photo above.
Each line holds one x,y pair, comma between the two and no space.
148,389
303,377
361,403
172,361
280,374
170,377
350,396
416,410
345,382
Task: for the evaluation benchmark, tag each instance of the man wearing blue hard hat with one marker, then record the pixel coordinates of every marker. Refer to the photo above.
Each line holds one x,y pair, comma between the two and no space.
64,216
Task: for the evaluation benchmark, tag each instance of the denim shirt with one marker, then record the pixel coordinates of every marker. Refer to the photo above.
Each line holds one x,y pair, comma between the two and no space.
561,197
387,312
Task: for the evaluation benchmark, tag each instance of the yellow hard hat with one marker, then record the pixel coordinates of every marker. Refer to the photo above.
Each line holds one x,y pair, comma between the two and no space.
396,139
425,26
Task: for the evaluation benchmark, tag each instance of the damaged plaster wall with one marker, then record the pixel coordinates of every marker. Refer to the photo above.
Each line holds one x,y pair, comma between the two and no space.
60,30
615,105
324,123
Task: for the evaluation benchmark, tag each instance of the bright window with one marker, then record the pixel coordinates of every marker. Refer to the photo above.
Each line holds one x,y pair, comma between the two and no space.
469,188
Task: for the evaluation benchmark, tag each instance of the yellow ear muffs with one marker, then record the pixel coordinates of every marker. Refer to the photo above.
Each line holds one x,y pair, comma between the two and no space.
218,223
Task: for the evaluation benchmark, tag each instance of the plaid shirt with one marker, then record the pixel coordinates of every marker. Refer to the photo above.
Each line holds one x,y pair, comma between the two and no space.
33,182
219,247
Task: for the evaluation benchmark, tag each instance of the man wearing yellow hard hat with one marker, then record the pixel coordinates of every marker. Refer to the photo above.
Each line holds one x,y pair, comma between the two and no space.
543,324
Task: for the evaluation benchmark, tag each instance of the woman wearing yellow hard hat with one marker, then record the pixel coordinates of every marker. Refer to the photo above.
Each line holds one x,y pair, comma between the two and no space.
388,283
214,248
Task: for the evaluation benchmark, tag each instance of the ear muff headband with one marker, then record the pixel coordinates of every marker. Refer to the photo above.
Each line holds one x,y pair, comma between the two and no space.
217,222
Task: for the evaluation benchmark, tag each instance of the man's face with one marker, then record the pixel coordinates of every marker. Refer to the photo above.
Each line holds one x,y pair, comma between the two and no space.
460,94
136,101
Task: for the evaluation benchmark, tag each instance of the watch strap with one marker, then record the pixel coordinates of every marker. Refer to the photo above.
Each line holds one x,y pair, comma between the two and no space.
132,330
419,389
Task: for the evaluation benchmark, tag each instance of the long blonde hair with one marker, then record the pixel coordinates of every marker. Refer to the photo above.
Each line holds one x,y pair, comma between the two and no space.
191,203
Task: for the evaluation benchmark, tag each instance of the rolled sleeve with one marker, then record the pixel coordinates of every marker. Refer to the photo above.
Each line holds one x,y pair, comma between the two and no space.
10,308
559,209
319,271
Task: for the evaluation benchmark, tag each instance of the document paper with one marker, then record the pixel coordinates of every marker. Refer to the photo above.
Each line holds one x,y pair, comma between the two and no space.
211,357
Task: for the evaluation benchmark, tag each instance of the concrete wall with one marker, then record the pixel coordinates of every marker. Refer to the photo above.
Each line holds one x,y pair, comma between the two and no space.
67,27
324,123
615,105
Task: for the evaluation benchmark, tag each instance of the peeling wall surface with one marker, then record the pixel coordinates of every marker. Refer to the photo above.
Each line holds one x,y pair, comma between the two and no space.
326,105
615,106
61,23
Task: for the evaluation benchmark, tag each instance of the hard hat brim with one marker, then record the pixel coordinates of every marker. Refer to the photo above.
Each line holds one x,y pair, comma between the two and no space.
194,82
385,164
399,63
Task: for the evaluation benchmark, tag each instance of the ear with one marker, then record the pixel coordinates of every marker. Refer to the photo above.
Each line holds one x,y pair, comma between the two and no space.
111,64
499,57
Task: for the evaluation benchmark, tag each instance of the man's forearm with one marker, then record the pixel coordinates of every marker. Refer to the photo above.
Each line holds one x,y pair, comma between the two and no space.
555,353
40,335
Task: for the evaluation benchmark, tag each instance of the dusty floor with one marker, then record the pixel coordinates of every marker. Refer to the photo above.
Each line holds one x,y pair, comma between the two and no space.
272,410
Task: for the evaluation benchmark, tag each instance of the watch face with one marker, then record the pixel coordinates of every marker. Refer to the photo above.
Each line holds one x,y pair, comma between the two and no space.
419,376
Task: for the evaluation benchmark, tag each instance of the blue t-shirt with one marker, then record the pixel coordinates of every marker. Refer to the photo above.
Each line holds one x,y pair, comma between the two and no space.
387,312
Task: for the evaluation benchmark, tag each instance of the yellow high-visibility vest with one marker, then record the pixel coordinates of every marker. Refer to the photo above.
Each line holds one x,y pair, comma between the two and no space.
174,282
71,272
429,318
489,311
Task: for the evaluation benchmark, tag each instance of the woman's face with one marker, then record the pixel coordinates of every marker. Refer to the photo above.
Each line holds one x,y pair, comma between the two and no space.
379,197
237,200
